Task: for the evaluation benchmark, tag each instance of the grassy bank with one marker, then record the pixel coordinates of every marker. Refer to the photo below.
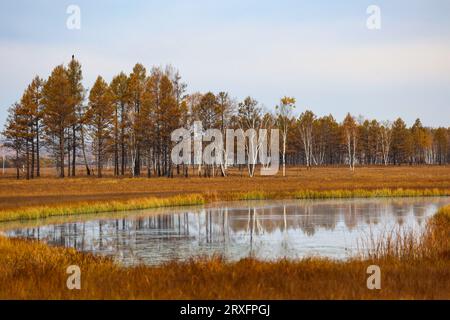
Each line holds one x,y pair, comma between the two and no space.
32,270
342,194
39,212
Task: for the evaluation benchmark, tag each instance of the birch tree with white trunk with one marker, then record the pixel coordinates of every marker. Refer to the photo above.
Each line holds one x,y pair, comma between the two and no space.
284,115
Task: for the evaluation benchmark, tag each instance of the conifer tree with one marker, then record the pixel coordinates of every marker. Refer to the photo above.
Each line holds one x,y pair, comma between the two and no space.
100,119
58,105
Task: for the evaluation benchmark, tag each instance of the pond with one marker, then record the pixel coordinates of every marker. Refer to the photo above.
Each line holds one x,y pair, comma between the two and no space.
267,230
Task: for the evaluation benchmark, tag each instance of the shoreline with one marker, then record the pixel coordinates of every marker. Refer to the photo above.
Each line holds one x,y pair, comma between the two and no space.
99,207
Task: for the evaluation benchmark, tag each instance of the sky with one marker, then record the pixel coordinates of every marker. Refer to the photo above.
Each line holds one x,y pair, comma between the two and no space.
321,52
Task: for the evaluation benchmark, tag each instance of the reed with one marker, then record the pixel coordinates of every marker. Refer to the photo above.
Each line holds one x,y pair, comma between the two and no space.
341,194
40,212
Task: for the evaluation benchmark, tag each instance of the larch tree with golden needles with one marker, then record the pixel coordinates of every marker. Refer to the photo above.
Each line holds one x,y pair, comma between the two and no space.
31,111
402,142
75,76
15,134
169,116
119,87
25,112
207,111
441,145
145,108
57,113
420,142
136,89
151,105
100,118
35,89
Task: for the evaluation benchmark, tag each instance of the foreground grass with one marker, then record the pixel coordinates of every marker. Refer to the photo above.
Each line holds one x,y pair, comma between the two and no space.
40,211
32,270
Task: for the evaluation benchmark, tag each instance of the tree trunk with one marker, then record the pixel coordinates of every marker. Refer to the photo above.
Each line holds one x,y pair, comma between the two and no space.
116,142
137,163
32,158
27,150
122,138
69,150
99,160
74,150
61,155
17,165
38,160
284,156
88,171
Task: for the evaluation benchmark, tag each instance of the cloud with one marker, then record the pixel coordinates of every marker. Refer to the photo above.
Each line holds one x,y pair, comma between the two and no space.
328,71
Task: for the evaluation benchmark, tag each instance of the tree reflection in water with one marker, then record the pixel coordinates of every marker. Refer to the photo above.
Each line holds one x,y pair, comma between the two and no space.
260,229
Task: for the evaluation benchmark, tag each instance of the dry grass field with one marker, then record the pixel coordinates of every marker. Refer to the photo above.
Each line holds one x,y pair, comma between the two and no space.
49,190
410,269
47,196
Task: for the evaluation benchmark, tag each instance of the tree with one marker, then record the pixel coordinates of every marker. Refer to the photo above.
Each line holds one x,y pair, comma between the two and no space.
26,118
225,109
401,142
284,114
57,112
419,142
136,88
324,137
32,110
441,142
250,120
169,115
350,137
75,77
207,110
100,119
119,87
15,134
385,140
162,112
305,125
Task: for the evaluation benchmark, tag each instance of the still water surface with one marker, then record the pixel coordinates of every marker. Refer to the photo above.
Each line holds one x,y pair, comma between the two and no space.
266,230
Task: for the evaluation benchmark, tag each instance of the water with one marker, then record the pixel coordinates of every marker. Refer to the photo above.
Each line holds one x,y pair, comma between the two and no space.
267,230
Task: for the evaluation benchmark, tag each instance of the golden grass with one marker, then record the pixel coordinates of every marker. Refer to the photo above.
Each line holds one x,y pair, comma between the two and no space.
45,197
343,194
39,212
32,270
49,191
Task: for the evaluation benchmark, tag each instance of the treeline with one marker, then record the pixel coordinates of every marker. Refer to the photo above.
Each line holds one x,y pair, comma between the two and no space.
128,124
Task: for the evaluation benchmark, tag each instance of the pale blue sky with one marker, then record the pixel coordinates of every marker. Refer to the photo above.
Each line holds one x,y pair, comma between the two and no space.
318,51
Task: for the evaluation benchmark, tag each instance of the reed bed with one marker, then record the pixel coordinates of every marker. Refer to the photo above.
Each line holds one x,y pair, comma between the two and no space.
343,194
39,212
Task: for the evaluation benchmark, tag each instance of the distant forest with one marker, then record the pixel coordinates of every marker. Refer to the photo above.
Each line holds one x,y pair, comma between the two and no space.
127,124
